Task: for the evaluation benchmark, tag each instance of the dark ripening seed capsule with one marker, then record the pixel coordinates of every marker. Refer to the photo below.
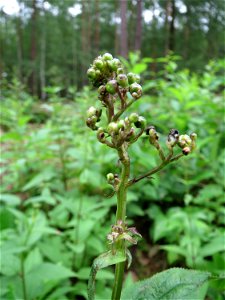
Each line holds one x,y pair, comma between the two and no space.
141,123
111,86
122,80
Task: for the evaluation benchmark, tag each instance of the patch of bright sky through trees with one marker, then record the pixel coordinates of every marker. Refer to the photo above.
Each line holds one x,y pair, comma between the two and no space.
11,7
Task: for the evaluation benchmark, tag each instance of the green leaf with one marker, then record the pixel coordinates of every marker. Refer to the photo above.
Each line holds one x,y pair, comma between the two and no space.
103,261
171,284
9,199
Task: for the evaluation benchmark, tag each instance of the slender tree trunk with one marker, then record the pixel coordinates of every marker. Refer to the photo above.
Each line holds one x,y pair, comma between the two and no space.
138,33
172,27
43,56
154,39
19,45
123,36
168,13
97,28
33,51
85,38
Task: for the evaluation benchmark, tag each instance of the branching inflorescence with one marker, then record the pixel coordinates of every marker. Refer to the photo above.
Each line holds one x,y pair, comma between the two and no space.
118,91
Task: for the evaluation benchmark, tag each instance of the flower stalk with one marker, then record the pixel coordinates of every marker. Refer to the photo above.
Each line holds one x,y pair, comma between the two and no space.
107,74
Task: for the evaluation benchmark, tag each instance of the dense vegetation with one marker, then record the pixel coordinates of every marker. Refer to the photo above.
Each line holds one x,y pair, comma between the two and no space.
56,208
53,42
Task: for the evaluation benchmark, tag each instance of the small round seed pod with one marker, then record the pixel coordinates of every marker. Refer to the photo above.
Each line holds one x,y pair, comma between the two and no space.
131,78
116,64
112,128
99,64
110,177
107,56
91,73
122,80
111,86
133,117
184,140
135,87
101,134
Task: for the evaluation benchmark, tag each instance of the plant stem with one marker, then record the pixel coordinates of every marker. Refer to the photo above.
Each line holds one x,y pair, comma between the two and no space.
23,277
120,216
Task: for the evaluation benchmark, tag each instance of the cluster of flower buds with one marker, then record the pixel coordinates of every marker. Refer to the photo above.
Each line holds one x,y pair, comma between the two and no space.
108,75
93,116
123,130
120,231
187,143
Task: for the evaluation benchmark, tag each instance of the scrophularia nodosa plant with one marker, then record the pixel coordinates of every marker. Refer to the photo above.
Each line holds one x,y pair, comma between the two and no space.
117,91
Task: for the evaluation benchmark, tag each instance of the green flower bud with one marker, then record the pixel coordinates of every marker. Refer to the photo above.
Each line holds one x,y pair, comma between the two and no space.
110,177
141,123
133,117
121,124
135,88
91,73
132,78
91,112
111,86
184,140
115,64
120,71
122,80
99,64
98,73
107,56
112,128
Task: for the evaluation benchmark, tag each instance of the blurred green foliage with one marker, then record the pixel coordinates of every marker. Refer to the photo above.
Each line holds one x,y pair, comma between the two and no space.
55,207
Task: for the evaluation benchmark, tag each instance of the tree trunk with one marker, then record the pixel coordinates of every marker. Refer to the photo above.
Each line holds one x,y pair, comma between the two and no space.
85,39
97,28
172,27
123,36
43,56
19,45
33,51
169,26
138,33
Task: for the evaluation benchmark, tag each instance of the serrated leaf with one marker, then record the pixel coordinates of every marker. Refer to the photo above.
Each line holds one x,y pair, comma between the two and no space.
176,283
103,261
